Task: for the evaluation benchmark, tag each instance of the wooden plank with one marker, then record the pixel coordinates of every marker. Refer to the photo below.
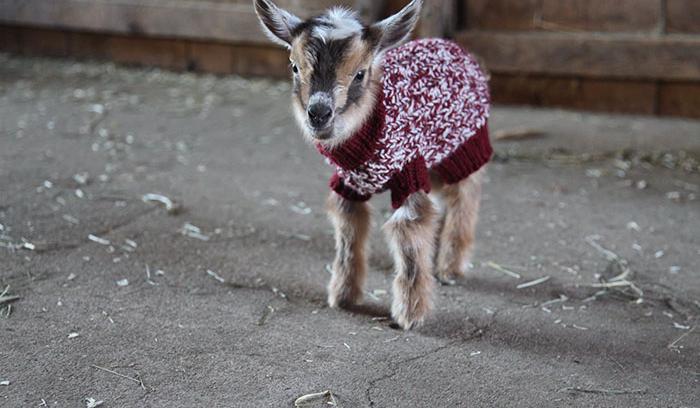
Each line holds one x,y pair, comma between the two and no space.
438,18
501,14
178,55
88,45
587,55
601,15
261,61
169,54
573,93
9,39
43,42
132,17
173,19
680,99
683,16
210,57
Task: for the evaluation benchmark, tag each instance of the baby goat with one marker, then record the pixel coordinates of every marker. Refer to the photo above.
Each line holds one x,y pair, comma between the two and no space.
387,116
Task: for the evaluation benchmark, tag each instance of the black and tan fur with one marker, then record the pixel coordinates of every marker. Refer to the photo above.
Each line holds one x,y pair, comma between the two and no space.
336,67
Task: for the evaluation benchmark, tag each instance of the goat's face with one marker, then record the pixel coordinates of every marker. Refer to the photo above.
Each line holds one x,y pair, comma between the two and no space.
335,63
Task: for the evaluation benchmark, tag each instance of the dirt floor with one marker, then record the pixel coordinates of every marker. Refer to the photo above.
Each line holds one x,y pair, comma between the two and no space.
220,302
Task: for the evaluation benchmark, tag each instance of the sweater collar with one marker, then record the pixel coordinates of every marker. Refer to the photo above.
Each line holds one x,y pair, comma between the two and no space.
361,146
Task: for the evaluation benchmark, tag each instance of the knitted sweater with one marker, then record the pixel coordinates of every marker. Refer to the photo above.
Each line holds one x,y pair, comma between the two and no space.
431,115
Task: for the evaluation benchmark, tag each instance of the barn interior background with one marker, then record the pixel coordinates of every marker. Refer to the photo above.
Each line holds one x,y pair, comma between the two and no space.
163,240
631,56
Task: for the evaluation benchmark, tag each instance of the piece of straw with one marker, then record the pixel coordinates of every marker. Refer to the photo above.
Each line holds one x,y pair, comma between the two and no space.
533,282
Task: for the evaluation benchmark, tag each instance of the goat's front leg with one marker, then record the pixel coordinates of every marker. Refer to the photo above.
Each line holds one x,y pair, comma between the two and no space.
411,235
351,222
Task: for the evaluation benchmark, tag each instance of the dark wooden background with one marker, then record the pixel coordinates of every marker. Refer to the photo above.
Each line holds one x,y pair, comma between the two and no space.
631,56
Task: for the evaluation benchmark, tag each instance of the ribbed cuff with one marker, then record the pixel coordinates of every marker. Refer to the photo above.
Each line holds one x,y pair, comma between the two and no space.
346,192
410,179
468,158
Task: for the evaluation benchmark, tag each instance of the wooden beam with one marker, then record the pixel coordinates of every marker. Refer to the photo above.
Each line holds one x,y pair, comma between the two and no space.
201,20
587,55
564,15
683,16
601,15
132,17
501,14
575,93
680,99
438,18
9,39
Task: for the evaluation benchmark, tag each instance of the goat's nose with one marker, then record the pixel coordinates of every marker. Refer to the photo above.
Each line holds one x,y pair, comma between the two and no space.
319,115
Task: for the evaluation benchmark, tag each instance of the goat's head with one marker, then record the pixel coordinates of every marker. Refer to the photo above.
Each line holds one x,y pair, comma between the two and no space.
335,64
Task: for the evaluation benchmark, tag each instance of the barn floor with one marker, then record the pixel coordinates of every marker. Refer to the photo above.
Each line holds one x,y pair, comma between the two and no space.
221,301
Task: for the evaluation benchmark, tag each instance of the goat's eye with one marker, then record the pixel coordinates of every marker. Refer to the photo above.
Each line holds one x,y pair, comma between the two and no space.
360,76
295,69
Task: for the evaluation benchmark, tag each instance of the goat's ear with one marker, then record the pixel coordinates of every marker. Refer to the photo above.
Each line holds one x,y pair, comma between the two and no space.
396,29
278,24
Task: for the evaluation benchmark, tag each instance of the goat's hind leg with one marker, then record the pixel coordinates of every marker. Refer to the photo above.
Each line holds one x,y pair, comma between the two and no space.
351,223
461,206
411,235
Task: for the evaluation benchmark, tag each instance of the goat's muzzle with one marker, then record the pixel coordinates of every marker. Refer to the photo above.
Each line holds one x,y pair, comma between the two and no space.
320,115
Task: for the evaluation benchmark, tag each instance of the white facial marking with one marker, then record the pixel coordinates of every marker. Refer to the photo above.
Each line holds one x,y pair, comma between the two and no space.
321,97
301,117
339,23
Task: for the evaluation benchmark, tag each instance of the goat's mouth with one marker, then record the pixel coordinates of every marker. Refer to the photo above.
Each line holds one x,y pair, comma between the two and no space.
323,133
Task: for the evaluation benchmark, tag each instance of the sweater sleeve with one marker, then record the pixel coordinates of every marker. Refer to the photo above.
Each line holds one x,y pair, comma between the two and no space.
338,185
412,178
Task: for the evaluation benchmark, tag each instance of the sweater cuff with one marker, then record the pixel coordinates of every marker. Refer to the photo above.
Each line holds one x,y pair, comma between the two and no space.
467,158
338,185
412,178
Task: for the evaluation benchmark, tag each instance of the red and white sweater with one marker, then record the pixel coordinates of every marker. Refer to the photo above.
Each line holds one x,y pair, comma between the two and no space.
431,114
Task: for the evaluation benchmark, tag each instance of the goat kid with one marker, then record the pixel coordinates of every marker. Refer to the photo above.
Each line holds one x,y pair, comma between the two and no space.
387,116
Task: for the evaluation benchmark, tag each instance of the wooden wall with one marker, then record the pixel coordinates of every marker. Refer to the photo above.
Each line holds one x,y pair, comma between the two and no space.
632,56
177,54
636,56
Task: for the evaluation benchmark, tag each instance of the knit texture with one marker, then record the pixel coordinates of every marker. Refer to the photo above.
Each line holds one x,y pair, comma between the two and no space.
431,114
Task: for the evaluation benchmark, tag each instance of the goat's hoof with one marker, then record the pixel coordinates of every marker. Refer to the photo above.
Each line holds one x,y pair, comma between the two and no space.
410,319
403,323
343,300
445,281
448,277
